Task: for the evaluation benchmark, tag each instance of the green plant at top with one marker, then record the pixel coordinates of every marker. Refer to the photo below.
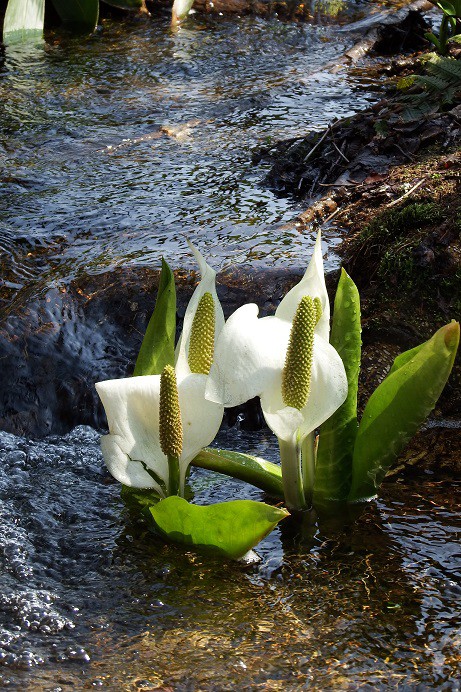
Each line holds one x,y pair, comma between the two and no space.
450,26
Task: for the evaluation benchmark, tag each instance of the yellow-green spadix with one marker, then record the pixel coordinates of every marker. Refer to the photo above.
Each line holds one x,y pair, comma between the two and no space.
251,354
132,450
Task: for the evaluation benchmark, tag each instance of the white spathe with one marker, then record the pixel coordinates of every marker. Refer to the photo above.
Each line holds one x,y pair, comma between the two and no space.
181,9
132,407
312,284
249,361
207,284
250,357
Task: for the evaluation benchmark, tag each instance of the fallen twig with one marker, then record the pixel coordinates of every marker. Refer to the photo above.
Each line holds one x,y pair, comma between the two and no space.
407,194
317,144
336,147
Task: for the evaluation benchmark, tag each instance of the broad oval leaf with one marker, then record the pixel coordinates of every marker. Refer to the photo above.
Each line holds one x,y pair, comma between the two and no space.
258,472
398,407
333,469
157,348
79,13
228,528
24,19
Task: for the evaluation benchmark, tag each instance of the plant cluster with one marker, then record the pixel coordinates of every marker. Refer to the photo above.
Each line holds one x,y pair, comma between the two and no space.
162,419
450,26
436,89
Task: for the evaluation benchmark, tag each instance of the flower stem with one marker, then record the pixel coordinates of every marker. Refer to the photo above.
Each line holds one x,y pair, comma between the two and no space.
290,456
308,454
259,472
173,475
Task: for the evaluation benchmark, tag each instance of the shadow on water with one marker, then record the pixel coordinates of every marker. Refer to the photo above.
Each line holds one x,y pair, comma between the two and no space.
91,599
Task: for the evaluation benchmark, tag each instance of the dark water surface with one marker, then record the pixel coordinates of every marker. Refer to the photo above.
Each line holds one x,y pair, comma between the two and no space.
115,146
90,600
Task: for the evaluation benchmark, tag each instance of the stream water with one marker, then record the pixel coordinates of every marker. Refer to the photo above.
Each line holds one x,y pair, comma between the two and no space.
113,147
116,146
89,599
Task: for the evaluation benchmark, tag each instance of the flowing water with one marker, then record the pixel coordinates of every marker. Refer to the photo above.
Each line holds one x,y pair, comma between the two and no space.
90,600
113,148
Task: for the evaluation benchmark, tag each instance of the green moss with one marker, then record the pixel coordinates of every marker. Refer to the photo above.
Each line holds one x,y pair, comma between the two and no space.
401,221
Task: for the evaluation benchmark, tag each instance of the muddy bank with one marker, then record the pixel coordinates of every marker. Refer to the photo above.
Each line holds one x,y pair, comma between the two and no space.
356,150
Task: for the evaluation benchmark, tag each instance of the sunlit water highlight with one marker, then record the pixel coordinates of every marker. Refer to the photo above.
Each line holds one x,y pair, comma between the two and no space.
89,599
116,146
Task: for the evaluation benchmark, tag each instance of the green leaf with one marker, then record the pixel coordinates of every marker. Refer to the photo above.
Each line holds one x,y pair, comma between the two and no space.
24,19
433,39
455,39
228,528
157,348
407,81
139,500
126,4
447,8
78,13
333,469
258,472
398,407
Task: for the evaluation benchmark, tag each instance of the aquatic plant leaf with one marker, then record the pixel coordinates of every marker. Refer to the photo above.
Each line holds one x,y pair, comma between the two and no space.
157,348
447,8
139,500
228,528
24,19
258,472
333,469
398,407
125,4
79,13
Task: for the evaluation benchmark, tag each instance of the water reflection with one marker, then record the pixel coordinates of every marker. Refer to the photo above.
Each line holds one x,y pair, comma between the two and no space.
89,596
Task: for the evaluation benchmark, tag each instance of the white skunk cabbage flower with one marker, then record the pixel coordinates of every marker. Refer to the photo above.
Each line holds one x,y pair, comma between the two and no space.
181,9
287,361
138,452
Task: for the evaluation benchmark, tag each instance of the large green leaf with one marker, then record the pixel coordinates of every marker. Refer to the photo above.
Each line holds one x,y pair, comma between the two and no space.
126,4
24,18
398,407
79,13
157,348
228,528
258,472
333,469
